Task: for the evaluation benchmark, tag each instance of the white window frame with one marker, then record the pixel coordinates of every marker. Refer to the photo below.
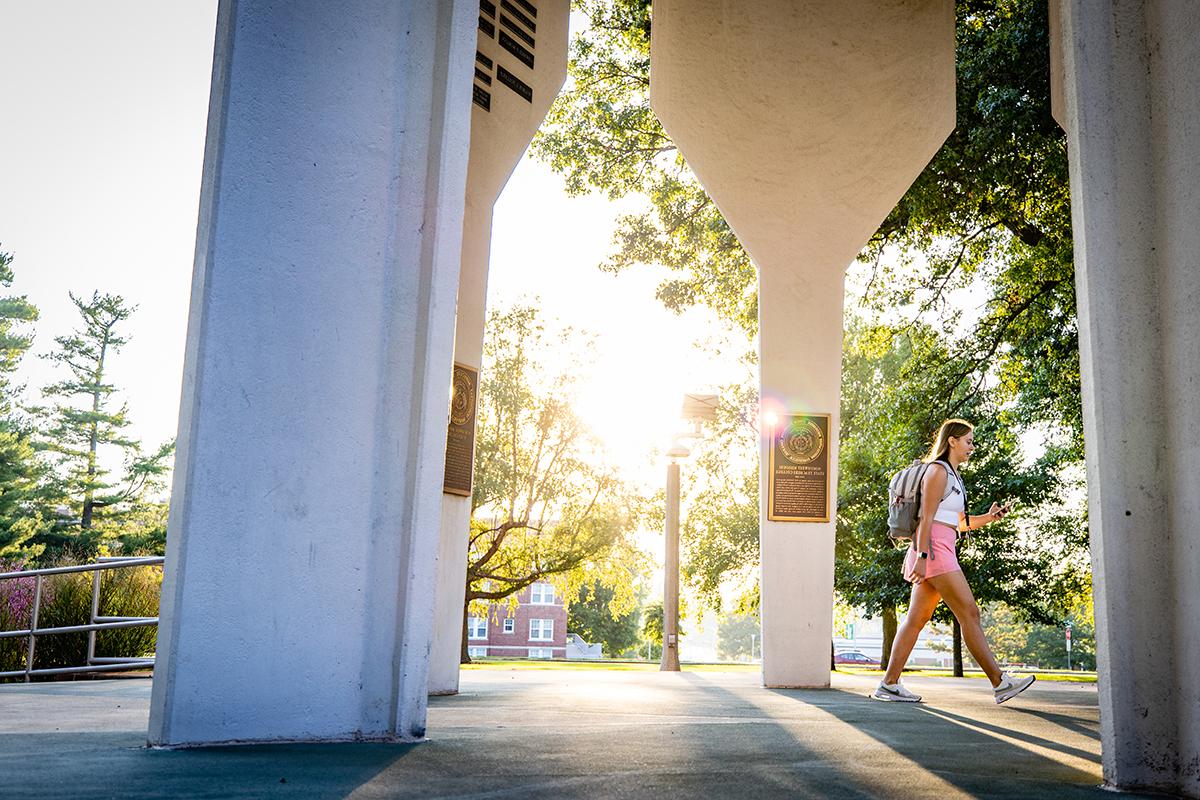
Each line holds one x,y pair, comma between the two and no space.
537,594
541,652
544,630
510,625
477,652
474,631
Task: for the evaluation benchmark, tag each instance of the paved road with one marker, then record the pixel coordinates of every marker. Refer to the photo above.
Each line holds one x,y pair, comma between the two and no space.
589,734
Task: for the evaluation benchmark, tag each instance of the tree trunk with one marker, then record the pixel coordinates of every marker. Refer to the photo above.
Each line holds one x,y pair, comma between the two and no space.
93,439
889,635
832,656
464,656
958,658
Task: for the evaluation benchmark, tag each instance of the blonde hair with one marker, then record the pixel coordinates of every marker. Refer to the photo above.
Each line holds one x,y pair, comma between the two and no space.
955,428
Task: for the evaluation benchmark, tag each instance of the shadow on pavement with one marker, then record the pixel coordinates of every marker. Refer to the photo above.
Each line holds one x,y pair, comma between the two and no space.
979,758
1063,720
969,722
99,765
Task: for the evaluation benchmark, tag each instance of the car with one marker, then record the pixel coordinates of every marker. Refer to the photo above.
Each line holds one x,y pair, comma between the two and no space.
855,658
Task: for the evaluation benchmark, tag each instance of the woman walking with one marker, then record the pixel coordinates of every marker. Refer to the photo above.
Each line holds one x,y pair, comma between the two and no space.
932,566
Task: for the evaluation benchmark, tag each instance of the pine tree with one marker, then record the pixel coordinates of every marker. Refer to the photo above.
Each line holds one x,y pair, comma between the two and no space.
19,520
82,422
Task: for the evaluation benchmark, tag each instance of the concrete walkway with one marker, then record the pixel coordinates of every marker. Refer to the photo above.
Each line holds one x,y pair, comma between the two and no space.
588,734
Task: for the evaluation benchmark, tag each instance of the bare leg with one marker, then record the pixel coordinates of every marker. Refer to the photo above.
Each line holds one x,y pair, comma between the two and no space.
924,600
957,593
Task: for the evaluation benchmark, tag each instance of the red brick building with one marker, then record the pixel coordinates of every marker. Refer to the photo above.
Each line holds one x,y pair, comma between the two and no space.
537,628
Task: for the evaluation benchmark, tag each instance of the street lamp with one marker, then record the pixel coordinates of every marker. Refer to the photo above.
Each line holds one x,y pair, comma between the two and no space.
670,650
697,408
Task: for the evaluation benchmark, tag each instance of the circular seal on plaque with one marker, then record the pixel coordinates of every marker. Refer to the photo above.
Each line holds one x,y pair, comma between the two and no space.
462,404
802,441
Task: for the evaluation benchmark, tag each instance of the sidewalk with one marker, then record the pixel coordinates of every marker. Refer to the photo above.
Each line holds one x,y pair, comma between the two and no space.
593,734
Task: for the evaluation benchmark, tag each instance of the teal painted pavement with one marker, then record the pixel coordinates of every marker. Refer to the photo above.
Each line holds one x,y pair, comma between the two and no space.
588,734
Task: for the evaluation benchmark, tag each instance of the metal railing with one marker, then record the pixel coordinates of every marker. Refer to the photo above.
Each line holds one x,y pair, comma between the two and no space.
95,623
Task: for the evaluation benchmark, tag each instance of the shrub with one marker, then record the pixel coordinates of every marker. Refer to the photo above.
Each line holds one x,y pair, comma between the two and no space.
16,606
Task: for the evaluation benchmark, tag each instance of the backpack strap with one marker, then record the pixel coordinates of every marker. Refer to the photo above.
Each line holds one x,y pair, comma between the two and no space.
962,487
921,488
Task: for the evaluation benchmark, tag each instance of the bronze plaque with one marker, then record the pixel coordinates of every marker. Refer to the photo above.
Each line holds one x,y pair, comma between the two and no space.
460,437
798,489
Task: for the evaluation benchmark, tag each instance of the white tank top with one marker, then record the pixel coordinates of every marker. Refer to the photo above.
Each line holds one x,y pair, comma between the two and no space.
952,504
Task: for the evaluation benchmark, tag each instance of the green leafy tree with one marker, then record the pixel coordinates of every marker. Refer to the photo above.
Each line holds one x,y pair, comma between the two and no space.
545,503
652,628
591,616
987,219
990,214
601,134
81,421
1016,641
738,636
1026,561
719,534
19,470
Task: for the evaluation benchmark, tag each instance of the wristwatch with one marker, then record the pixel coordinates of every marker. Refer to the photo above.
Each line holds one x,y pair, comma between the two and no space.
922,555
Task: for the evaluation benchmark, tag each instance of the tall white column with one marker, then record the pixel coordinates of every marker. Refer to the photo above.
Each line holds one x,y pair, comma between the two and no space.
301,550
805,122
511,98
1131,108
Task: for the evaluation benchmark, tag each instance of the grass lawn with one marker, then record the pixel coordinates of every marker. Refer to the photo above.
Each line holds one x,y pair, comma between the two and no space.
652,666
625,666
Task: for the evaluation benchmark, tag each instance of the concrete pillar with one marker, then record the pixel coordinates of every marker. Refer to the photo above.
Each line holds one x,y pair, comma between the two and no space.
301,550
1131,108
805,122
511,99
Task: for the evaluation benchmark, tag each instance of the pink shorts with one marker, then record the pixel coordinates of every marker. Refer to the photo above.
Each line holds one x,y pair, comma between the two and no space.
942,558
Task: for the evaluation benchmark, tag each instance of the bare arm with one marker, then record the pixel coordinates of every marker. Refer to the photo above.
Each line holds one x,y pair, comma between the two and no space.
933,486
996,512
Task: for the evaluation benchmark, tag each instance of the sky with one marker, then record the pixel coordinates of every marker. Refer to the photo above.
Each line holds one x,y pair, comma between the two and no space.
101,145
101,140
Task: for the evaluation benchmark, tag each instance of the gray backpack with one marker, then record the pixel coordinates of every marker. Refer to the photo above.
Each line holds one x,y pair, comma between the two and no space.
904,499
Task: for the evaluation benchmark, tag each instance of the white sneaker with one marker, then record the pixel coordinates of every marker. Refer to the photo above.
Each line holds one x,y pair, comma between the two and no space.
895,693
1011,686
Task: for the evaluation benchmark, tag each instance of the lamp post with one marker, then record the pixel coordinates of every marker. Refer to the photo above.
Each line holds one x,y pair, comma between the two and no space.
697,408
670,650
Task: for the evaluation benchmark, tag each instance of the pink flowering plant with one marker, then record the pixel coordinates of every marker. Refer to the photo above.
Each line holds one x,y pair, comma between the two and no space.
16,611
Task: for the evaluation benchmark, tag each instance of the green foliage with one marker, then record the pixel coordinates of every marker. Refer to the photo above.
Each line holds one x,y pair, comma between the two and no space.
142,530
990,215
20,472
545,504
887,422
591,615
79,424
719,534
738,637
987,221
601,134
652,623
1015,641
15,339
